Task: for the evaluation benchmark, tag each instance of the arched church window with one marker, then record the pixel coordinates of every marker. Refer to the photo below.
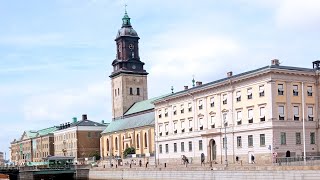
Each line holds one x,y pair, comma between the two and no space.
131,91
138,91
138,142
116,143
145,140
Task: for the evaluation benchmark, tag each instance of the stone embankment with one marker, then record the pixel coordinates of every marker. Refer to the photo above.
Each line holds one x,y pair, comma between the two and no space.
208,173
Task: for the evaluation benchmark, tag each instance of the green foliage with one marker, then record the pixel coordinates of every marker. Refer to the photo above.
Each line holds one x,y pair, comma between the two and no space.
129,150
96,155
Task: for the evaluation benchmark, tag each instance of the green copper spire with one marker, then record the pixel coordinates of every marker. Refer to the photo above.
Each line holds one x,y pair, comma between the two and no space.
126,18
193,81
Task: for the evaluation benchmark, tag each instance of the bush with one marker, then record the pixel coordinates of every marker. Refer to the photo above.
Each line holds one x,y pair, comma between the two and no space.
129,150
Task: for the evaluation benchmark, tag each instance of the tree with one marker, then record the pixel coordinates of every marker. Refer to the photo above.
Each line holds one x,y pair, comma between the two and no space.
129,150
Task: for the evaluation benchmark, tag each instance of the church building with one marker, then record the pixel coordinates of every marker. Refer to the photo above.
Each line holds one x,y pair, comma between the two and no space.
132,112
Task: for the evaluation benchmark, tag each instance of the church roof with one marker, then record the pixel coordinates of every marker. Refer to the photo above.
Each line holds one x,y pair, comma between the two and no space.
87,123
142,106
140,120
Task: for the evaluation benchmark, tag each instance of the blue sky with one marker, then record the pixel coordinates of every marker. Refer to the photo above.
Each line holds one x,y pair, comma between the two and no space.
55,56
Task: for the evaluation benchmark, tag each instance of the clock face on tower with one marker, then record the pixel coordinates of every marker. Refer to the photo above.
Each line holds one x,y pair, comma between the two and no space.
131,46
133,67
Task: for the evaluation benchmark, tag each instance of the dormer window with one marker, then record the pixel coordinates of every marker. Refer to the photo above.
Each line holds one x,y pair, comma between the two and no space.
261,91
181,109
280,90
295,90
309,90
249,93
224,99
174,110
296,113
200,105
212,102
238,96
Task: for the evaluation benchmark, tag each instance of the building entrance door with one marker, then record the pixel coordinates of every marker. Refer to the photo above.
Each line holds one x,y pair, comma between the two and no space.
212,150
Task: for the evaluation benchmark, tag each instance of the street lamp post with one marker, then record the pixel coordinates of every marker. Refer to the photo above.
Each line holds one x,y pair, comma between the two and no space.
225,144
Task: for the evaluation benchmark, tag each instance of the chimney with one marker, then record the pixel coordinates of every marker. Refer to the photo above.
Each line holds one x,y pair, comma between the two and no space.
275,62
102,122
316,65
84,117
198,83
65,125
229,74
185,87
74,120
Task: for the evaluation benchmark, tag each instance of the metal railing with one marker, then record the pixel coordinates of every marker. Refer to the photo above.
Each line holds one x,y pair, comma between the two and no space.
297,161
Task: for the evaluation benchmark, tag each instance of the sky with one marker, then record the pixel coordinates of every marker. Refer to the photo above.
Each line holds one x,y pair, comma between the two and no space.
55,56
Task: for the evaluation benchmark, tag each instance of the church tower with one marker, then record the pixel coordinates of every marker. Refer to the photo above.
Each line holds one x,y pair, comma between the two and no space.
129,78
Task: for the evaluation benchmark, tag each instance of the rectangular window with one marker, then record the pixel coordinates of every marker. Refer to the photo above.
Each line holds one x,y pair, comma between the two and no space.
295,90
190,146
189,107
201,123
312,138
239,142
224,99
250,115
249,93
167,148
166,112
174,108
309,90
182,126
283,138
212,122
310,113
89,134
281,112
298,138
200,105
159,114
174,147
262,139
212,102
138,91
181,109
160,130
296,113
160,149
250,140
238,96
166,129
280,90
262,114
239,117
174,125
182,146
261,91
200,145
225,120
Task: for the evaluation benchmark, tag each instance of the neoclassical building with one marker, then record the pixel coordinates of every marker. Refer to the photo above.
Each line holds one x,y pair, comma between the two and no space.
132,112
259,112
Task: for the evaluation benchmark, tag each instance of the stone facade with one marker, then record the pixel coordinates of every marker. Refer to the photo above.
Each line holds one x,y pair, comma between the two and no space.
262,110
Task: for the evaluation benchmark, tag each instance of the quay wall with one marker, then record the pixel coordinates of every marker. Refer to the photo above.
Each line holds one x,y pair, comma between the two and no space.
153,174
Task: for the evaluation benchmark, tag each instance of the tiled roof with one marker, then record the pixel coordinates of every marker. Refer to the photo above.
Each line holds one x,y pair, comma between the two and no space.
240,75
142,106
141,120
